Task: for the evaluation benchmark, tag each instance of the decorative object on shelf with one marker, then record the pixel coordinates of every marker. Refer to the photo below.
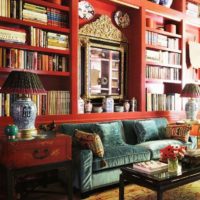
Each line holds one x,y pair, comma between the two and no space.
166,3
23,110
133,104
108,104
155,1
97,109
119,108
121,19
11,131
88,106
126,106
172,155
150,22
170,28
85,10
191,91
80,105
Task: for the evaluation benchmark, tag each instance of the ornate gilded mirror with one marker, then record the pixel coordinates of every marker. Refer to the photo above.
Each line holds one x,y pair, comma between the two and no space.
103,49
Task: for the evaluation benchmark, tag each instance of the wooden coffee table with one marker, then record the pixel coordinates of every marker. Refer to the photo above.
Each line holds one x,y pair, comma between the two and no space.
158,182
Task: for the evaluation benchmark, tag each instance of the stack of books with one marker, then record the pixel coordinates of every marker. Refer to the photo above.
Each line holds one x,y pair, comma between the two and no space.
34,13
192,9
57,41
13,35
151,166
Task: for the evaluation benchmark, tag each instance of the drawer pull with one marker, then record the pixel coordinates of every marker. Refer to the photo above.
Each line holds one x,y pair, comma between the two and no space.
40,154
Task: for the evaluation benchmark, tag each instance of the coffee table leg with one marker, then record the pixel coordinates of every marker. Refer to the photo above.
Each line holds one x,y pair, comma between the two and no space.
121,187
159,195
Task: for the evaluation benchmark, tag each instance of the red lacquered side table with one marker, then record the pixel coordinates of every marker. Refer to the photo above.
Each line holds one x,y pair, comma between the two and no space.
24,157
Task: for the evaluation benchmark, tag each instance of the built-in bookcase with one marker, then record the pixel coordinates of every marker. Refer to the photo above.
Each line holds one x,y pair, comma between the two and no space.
35,36
146,74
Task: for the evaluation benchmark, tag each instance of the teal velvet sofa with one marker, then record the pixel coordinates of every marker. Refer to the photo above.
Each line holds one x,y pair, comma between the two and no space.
121,146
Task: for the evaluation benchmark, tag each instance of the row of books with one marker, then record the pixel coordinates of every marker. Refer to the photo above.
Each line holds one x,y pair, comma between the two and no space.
33,13
13,35
166,73
41,38
5,8
163,57
22,59
192,9
57,18
163,102
54,103
161,40
43,15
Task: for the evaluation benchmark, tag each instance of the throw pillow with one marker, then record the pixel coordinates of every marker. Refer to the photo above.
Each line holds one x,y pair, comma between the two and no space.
91,141
111,133
178,131
146,130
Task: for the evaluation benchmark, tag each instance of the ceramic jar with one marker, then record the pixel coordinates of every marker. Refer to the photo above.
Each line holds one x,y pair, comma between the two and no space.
126,106
108,104
88,106
133,104
166,3
11,131
80,105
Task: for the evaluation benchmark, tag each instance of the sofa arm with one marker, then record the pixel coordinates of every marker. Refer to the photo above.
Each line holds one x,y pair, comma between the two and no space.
86,159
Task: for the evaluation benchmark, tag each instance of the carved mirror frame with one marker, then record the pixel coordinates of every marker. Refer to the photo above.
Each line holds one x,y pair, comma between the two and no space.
101,35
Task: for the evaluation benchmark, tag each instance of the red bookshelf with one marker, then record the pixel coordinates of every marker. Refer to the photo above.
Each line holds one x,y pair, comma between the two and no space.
136,82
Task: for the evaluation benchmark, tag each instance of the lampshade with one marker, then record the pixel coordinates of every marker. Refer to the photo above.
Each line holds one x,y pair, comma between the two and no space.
22,82
191,90
23,110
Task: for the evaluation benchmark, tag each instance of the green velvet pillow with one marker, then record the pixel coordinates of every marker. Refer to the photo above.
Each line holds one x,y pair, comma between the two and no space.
111,133
146,130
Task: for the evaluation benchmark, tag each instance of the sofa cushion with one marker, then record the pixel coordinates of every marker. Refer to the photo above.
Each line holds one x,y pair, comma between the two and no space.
155,146
90,141
129,131
146,130
178,131
161,124
111,133
116,156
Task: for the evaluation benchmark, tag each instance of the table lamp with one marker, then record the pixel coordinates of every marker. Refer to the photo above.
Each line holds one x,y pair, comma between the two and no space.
191,91
23,110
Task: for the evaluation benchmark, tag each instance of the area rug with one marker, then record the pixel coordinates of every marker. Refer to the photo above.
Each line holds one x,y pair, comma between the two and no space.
134,192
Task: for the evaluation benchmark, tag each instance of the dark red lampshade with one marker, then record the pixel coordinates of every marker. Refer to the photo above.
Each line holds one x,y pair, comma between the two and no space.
191,90
22,82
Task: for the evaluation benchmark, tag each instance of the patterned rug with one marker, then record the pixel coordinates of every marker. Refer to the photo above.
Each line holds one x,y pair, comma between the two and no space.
134,192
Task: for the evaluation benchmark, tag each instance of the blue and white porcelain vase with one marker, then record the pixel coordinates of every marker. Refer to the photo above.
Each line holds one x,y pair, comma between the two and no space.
108,104
166,3
191,109
24,113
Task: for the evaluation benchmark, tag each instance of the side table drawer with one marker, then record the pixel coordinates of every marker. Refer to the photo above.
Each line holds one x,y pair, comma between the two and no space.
36,152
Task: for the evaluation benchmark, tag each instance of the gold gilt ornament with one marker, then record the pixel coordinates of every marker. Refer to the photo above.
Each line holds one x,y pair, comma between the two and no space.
104,29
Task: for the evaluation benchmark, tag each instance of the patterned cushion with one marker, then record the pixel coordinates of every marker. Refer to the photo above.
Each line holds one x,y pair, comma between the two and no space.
178,131
91,141
146,130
